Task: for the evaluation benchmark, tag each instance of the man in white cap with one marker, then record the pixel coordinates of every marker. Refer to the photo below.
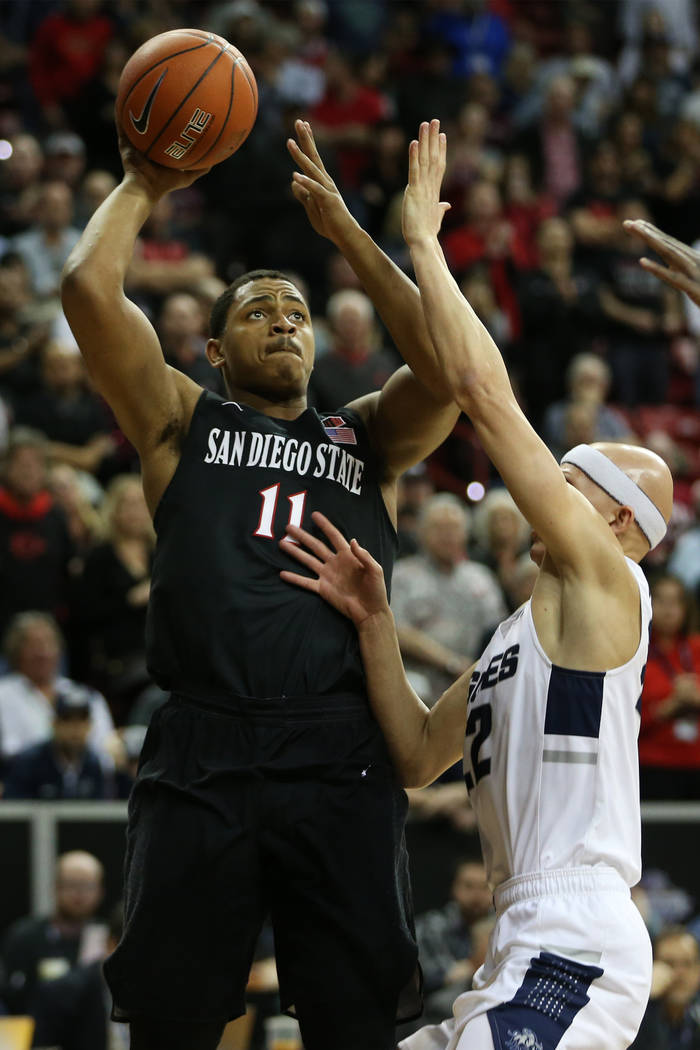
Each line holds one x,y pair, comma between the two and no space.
552,708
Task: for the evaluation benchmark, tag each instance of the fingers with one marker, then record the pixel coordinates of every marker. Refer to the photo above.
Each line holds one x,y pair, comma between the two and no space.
671,277
434,142
292,548
363,556
413,163
307,583
334,535
310,186
306,136
306,163
424,144
311,543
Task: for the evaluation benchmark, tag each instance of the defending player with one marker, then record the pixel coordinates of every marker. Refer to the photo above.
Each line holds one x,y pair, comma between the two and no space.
551,709
264,783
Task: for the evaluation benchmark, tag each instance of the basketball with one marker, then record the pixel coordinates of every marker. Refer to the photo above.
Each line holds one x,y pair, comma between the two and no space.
187,99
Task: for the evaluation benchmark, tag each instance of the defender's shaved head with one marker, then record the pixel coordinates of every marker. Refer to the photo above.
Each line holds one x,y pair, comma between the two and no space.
645,469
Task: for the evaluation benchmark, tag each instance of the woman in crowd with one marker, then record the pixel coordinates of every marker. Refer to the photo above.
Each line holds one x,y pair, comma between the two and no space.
669,742
113,596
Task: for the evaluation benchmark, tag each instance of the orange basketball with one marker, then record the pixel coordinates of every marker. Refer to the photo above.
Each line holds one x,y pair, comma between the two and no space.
187,99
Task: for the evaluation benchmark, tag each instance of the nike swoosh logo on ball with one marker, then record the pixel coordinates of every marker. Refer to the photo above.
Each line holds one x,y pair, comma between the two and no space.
141,123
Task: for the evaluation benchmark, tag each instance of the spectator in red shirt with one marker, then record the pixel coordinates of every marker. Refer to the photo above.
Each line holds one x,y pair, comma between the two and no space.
669,741
488,237
65,54
345,117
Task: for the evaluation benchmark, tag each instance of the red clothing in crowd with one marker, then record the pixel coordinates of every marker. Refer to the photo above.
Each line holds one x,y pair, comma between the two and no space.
464,246
365,108
676,741
65,54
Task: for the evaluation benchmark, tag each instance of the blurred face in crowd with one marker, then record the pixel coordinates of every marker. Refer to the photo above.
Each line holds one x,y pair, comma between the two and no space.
39,653
97,186
560,98
181,318
55,207
25,472
352,319
443,533
23,167
484,203
555,239
680,952
78,886
13,292
62,368
71,732
668,607
589,382
504,528
471,891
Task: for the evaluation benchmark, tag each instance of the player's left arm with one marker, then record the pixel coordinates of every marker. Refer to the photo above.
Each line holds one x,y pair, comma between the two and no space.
396,298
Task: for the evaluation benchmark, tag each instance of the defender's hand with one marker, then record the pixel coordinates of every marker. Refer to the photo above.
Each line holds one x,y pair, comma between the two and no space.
423,210
683,263
347,575
314,188
155,179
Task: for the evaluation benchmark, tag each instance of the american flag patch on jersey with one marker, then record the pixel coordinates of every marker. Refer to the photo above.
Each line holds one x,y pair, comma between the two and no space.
338,430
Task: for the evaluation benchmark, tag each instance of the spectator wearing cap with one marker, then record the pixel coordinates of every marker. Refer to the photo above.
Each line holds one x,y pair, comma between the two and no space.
30,693
64,158
37,949
64,766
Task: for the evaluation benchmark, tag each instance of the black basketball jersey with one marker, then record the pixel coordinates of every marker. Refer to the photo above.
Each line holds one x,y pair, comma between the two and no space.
220,619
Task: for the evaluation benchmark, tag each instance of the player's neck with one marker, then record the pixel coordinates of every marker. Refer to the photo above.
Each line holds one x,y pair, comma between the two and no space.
284,408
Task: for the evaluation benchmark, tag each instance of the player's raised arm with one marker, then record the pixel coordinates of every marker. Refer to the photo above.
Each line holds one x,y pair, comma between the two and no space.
422,742
477,377
120,346
418,392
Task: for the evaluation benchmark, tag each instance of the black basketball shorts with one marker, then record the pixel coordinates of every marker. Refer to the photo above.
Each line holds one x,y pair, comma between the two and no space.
268,807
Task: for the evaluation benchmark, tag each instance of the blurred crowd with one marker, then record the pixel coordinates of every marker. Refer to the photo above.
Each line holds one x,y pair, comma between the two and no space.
564,117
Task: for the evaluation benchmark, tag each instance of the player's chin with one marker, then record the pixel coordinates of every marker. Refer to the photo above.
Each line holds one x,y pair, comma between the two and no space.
537,552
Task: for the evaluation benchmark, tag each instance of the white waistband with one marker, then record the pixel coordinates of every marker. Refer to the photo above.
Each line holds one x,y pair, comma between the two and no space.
558,882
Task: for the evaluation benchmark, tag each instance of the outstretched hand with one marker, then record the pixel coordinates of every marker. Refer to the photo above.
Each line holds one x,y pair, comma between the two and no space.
423,211
683,263
156,178
314,188
347,576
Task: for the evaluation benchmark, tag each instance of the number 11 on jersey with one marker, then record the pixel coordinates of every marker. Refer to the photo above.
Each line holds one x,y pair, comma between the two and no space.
269,508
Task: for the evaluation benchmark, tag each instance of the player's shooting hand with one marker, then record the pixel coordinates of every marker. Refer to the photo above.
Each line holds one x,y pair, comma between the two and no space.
423,210
314,188
682,270
155,179
346,575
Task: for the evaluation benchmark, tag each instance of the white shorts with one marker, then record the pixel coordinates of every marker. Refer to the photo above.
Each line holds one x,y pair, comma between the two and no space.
568,966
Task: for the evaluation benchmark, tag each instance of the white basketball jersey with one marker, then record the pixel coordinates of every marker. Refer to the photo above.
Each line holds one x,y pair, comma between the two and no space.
550,757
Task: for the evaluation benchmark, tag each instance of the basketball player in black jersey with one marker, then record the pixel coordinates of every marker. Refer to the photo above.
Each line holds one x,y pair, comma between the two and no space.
264,785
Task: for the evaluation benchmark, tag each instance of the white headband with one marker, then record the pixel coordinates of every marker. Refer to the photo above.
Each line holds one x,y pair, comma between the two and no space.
621,488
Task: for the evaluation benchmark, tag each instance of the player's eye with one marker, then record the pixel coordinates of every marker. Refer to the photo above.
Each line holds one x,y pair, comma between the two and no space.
298,315
257,312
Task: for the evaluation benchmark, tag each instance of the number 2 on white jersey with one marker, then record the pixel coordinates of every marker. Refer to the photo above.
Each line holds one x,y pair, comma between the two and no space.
269,507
